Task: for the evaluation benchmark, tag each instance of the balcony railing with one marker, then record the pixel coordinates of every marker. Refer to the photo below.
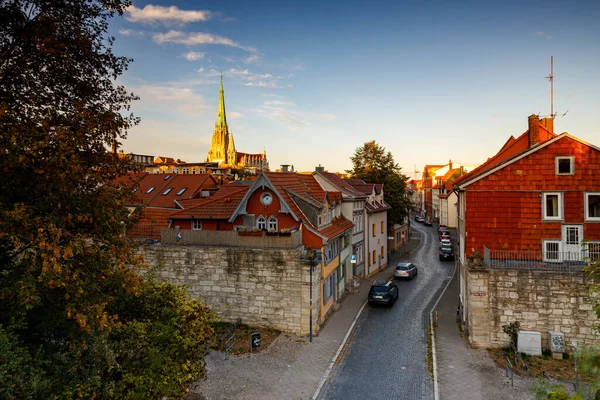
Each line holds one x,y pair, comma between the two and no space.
541,260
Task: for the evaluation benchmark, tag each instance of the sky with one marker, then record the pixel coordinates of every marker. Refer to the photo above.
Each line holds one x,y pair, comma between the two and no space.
311,81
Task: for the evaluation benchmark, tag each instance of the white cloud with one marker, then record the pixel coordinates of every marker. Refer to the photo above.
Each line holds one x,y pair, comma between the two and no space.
279,103
235,115
544,34
252,58
249,78
296,121
197,38
165,15
199,70
194,55
182,99
130,32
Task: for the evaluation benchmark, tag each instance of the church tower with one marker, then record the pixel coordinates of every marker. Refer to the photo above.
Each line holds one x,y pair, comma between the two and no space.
222,148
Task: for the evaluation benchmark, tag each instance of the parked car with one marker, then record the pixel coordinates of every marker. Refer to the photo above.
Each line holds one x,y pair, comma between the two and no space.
428,222
442,227
446,253
419,219
444,234
383,292
405,270
445,241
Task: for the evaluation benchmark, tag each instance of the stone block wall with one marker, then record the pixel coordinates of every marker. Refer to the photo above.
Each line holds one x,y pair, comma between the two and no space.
262,287
541,301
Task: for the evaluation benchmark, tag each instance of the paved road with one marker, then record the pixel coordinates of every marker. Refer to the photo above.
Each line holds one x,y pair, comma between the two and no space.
386,355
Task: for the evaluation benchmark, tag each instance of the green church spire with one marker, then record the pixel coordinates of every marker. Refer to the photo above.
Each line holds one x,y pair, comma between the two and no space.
221,119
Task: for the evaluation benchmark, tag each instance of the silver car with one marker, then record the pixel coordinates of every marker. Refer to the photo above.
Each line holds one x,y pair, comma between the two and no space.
405,270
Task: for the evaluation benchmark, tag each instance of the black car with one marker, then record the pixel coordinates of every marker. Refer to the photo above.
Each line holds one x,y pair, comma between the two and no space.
383,292
446,253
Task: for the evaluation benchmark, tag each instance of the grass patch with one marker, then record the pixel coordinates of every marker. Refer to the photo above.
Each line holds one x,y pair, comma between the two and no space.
223,330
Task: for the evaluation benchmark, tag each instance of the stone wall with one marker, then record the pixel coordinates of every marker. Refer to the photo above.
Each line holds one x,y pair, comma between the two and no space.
262,287
541,301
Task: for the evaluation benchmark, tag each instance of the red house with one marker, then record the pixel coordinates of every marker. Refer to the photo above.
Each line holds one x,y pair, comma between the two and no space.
533,206
278,203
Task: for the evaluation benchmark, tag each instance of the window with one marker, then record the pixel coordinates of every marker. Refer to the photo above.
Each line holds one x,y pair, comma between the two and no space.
572,235
382,231
193,171
593,251
166,192
272,223
196,224
374,230
382,254
175,170
592,206
565,165
185,170
150,190
166,177
261,223
181,191
552,206
374,256
551,251
327,289
320,220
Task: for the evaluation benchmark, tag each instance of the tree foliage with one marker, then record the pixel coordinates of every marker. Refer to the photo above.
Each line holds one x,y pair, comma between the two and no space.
65,265
373,165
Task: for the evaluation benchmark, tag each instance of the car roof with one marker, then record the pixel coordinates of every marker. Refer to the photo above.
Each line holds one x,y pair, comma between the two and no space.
381,283
403,264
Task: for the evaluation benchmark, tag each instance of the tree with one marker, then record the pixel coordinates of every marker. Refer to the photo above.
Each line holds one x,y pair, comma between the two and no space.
64,262
373,165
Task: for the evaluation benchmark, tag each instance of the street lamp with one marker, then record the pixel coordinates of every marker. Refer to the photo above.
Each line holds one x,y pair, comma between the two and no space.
316,257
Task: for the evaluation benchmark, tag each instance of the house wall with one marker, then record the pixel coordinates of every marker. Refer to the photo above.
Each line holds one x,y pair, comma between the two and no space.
541,301
375,242
504,209
262,287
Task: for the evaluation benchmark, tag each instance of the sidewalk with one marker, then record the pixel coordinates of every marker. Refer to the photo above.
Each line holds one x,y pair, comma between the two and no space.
292,368
464,372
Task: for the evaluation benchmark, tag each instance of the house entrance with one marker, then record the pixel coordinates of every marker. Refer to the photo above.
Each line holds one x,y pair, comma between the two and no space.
572,236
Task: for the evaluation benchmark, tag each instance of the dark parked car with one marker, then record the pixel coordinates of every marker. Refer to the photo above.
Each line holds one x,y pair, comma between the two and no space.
383,292
405,270
446,253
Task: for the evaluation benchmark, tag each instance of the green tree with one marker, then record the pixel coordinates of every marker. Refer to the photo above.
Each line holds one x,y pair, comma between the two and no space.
64,262
373,165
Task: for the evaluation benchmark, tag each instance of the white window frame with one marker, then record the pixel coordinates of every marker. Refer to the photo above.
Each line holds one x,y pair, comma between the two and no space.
593,255
261,222
571,163
586,207
196,224
272,223
560,206
185,171
175,170
545,242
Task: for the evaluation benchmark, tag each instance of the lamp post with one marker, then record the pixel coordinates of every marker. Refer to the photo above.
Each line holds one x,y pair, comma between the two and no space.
316,257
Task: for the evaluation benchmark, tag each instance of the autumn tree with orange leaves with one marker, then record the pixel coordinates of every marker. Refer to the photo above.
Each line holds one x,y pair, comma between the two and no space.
76,318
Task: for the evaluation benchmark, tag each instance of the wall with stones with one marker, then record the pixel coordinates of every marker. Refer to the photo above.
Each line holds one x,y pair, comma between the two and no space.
541,301
262,287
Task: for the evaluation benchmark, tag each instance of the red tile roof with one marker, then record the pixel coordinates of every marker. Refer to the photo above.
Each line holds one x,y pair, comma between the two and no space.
144,229
219,206
341,183
338,227
181,187
361,186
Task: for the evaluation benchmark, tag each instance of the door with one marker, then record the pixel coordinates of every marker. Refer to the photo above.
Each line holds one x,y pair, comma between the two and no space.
572,237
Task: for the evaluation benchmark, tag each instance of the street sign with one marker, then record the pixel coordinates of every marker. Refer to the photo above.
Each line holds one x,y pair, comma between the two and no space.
403,236
353,259
390,238
255,340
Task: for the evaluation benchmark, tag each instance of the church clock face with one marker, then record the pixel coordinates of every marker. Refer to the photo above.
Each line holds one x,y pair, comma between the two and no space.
266,199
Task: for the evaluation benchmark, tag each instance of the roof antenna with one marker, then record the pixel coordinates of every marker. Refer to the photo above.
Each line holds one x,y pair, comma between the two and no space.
550,77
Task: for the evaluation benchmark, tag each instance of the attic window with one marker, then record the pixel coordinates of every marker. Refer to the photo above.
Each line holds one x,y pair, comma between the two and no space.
166,192
167,177
150,190
181,191
565,165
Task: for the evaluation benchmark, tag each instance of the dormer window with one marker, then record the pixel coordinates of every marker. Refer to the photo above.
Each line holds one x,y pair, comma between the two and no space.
565,165
166,192
181,191
150,190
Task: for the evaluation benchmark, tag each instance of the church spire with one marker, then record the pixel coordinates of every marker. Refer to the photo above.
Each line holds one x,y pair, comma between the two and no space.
221,119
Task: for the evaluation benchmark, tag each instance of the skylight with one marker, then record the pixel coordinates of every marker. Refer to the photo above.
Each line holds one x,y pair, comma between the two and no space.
166,192
167,177
149,190
181,191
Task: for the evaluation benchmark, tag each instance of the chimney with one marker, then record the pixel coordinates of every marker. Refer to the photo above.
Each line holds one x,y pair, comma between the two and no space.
320,169
450,164
284,167
548,123
534,129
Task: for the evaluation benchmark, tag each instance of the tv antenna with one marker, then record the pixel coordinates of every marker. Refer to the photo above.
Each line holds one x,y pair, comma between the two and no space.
550,77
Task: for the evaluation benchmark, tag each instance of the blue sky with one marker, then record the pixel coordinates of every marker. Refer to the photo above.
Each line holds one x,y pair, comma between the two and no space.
312,81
